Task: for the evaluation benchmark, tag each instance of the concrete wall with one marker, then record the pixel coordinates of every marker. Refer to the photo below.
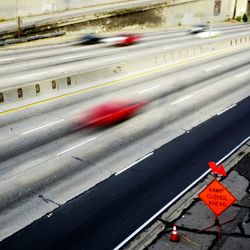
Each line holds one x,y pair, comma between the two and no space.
186,12
242,7
180,11
9,9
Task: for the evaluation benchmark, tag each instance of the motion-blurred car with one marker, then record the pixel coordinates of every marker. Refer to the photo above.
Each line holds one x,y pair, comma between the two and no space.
123,39
111,113
198,28
2,42
208,34
90,39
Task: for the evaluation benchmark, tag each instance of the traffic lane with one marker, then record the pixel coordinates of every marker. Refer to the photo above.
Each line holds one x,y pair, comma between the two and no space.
218,60
13,65
25,142
10,51
96,49
144,88
12,130
125,135
106,165
77,54
68,45
76,50
76,67
63,178
105,215
40,48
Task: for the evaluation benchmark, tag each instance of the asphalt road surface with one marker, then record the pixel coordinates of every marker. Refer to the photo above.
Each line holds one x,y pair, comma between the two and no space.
45,163
104,216
46,62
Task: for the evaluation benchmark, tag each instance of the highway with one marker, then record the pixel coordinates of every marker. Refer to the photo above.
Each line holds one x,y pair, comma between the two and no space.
51,62
46,161
108,213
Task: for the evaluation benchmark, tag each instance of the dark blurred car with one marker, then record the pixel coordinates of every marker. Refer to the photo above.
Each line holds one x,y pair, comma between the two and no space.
111,113
90,39
198,28
2,42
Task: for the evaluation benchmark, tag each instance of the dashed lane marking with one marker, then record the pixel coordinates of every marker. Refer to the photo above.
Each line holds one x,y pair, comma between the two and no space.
212,68
242,74
44,126
149,89
76,146
181,99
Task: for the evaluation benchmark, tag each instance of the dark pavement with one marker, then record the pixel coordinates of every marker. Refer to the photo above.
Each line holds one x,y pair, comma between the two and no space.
105,215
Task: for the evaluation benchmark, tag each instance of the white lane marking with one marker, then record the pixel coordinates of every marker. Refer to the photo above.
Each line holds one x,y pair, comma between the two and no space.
233,150
44,126
76,146
177,197
7,59
113,58
170,47
75,48
226,109
149,89
131,165
72,57
242,74
212,68
181,99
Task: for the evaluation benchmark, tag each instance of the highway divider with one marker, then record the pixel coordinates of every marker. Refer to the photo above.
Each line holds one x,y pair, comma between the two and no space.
94,75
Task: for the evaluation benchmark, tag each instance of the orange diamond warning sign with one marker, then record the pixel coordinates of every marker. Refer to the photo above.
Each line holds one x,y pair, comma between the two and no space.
217,197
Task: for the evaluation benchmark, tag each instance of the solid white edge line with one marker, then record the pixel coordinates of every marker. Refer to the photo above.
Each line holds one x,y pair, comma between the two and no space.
223,111
233,150
242,74
76,146
149,89
44,126
177,197
131,165
181,100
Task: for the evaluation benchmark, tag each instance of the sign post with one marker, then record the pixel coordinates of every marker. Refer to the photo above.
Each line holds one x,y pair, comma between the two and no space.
217,197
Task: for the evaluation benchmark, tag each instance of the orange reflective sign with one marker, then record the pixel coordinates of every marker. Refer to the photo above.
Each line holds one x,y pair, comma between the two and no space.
217,197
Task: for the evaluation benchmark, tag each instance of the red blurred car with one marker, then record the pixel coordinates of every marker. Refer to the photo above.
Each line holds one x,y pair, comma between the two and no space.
111,113
123,39
128,39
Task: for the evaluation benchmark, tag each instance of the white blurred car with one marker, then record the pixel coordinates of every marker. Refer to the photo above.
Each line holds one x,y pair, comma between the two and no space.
208,34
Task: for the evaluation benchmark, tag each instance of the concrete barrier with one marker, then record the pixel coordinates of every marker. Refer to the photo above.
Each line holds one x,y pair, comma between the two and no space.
117,69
